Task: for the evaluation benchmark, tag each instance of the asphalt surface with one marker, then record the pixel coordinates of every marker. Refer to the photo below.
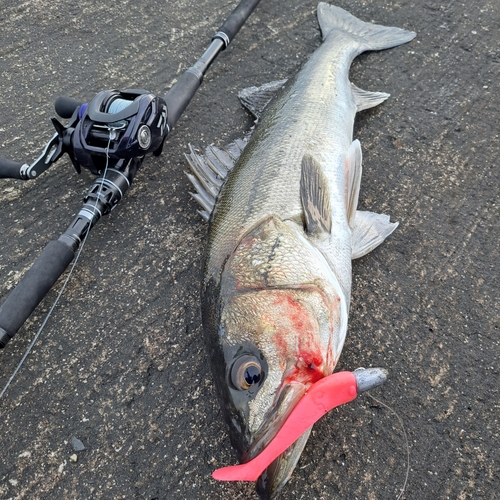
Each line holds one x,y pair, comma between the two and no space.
121,366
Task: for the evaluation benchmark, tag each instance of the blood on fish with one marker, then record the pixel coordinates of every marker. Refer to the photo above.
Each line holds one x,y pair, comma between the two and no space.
294,338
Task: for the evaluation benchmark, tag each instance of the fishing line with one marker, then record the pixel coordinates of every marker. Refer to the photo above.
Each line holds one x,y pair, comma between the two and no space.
406,442
118,105
35,338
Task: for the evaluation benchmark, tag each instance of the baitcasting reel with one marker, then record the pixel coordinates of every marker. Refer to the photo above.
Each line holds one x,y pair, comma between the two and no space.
118,126
114,126
112,129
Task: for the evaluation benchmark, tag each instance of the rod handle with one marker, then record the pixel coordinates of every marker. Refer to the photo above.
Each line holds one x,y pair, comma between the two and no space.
237,19
33,287
180,95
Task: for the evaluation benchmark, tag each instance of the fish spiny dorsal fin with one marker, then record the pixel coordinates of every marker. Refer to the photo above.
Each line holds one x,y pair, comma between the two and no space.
209,170
315,197
255,99
366,99
353,175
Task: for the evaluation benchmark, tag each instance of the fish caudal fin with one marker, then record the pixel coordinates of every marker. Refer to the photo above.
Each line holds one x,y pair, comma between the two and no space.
369,231
370,36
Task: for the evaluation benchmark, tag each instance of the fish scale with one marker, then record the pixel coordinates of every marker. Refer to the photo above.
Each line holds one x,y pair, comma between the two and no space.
307,117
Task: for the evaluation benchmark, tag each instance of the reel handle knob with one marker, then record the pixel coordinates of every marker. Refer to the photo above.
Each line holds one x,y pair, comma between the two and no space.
65,106
11,169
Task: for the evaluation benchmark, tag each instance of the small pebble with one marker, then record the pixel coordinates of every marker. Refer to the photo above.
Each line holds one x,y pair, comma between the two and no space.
77,444
74,458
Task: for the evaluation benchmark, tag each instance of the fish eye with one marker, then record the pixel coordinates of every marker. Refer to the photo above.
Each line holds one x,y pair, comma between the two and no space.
246,372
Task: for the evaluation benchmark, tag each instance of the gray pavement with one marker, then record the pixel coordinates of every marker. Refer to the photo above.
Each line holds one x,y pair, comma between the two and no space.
121,364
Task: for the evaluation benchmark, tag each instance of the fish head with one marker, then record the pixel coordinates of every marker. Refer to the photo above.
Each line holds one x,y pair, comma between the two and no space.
275,326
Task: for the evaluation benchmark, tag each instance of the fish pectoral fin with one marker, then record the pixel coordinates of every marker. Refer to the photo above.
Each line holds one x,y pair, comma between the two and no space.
353,165
366,99
255,99
209,170
369,231
315,197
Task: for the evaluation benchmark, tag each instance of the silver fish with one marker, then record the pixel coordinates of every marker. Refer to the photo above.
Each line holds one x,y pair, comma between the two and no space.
283,231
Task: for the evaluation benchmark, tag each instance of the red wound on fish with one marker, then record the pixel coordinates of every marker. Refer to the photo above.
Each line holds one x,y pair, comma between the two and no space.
323,396
303,346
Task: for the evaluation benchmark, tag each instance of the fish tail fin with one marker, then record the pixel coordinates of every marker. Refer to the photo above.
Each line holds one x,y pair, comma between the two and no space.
370,36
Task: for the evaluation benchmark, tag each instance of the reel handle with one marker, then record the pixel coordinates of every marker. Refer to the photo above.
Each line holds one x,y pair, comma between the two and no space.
33,287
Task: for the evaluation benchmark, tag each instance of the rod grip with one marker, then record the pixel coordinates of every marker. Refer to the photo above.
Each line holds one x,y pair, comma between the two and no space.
181,93
238,17
33,287
10,169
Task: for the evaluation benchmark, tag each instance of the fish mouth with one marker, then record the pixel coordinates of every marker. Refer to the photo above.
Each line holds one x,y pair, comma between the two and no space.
272,467
277,474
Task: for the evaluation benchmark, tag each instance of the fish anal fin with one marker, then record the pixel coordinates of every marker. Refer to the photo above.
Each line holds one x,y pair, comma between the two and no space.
315,197
255,99
353,165
366,99
369,231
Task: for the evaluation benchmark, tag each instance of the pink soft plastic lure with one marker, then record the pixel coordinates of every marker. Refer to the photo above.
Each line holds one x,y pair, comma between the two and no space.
324,395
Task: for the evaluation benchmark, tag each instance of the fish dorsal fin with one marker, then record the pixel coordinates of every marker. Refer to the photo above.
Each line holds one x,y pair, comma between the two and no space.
353,175
209,170
255,99
210,167
315,197
366,99
369,231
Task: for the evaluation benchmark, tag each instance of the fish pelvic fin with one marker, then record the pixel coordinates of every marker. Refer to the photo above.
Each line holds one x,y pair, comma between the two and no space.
370,36
315,197
369,231
209,170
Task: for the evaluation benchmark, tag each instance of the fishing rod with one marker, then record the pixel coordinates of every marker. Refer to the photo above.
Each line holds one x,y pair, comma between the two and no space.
111,135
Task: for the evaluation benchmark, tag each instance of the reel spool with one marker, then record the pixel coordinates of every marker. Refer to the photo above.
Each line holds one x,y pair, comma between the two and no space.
117,126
